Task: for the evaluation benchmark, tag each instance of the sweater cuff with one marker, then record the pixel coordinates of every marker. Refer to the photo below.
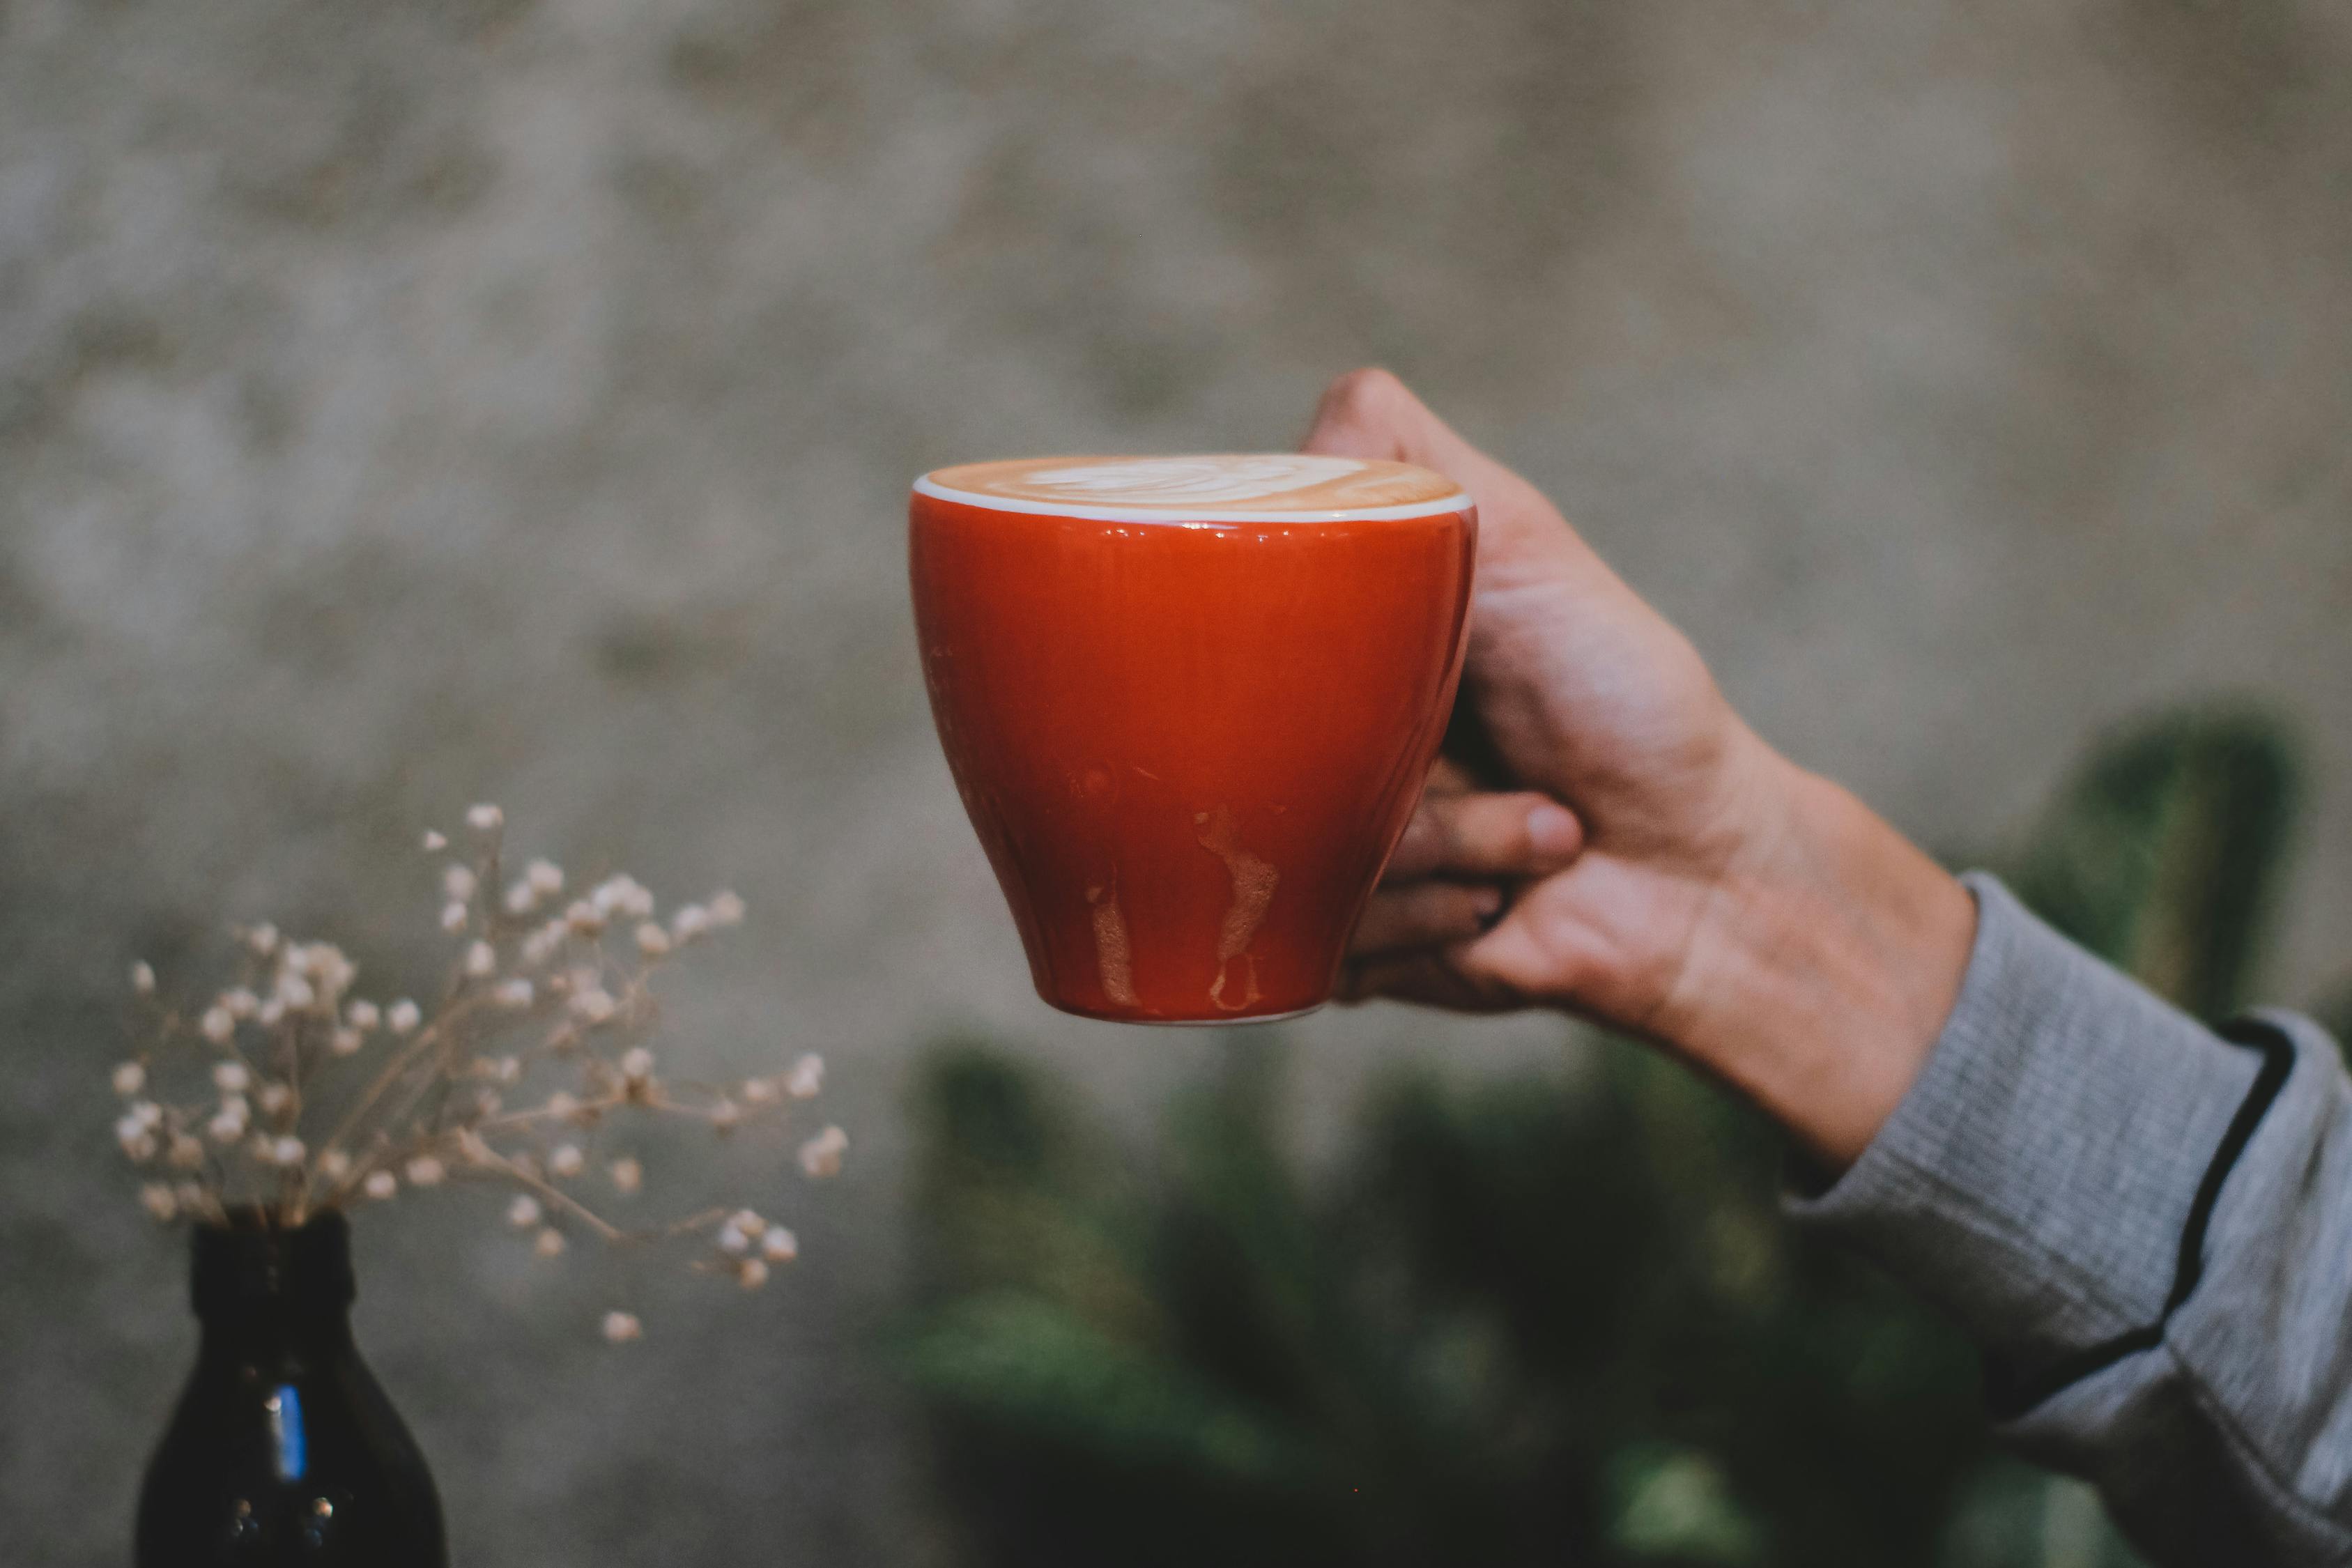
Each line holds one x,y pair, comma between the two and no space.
2036,1179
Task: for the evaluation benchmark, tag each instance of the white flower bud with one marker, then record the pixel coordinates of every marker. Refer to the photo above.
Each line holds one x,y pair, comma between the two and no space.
690,922
732,1239
218,1024
287,1151
435,842
521,897
561,1105
142,978
426,1171
156,1198
346,1042
595,1006
779,1245
137,1141
621,1327
481,960
240,1002
363,1015
545,876
458,883
524,1212
183,1152
820,1155
652,940
807,1077
567,1160
147,1113
380,1185
513,993
262,939
636,1064
584,917
627,1174
760,1090
402,1016
229,1122
725,1115
274,1098
485,817
751,1273
130,1077
231,1077
295,992
334,1164
273,1012
453,917
726,910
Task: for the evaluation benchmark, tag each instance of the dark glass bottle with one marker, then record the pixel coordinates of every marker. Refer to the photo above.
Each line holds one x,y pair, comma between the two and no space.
283,1449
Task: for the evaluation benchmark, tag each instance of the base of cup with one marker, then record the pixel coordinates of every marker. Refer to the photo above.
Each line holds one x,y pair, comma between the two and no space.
1222,1021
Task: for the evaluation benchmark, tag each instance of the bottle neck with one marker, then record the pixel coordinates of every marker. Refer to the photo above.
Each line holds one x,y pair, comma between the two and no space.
256,1285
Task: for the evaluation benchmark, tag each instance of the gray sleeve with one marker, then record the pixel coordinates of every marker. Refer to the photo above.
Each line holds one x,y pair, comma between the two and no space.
2147,1226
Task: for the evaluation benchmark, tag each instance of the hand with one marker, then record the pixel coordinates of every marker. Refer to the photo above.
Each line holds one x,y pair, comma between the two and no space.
1704,892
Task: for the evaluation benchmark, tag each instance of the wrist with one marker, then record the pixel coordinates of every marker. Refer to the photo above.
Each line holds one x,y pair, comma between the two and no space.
1832,955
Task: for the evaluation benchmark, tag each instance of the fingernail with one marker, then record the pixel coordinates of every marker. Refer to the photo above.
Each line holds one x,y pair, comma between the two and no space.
1552,832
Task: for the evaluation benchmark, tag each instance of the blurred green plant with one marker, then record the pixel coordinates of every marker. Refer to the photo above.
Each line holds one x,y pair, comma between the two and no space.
1550,1318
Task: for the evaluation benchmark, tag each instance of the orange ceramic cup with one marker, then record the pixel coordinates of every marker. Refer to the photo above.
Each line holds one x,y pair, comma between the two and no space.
1189,703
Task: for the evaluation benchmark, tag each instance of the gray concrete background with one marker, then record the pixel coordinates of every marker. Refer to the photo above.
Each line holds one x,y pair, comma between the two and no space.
407,403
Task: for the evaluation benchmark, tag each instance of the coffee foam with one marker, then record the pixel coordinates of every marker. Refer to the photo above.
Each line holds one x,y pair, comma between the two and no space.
1284,486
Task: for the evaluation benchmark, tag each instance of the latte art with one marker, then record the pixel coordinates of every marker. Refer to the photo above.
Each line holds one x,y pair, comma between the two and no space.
1280,485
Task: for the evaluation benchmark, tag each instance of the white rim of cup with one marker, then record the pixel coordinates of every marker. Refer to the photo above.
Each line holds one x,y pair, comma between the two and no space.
1180,517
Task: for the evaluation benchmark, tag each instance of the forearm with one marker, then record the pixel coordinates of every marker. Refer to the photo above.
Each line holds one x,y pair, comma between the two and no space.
1829,955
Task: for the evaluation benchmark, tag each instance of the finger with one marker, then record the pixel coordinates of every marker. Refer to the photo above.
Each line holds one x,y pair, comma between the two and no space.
1426,914
1520,834
1422,977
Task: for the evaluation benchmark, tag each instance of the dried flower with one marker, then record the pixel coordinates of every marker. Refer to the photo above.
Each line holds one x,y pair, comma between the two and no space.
262,939
458,883
726,910
363,1015
725,1115
481,960
594,1006
567,1160
485,817
346,1042
779,1246
691,921
627,1174
287,1150
548,1243
435,842
733,1237
652,940
334,1164
231,1077
142,978
183,1152
453,917
636,1064
218,1024
584,917
621,1327
807,1078
380,1185
138,1142
751,1273
426,1171
272,1012
520,899
760,1090
229,1122
545,876
274,1098
820,1155
241,1001
130,1077
515,991
523,1213
159,1202
622,895
294,991
563,1105
402,1016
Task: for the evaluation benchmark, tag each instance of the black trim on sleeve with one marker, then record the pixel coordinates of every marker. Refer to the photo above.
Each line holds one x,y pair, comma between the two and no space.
2008,1396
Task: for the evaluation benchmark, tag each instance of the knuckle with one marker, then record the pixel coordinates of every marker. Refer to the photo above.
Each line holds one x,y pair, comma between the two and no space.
1369,395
